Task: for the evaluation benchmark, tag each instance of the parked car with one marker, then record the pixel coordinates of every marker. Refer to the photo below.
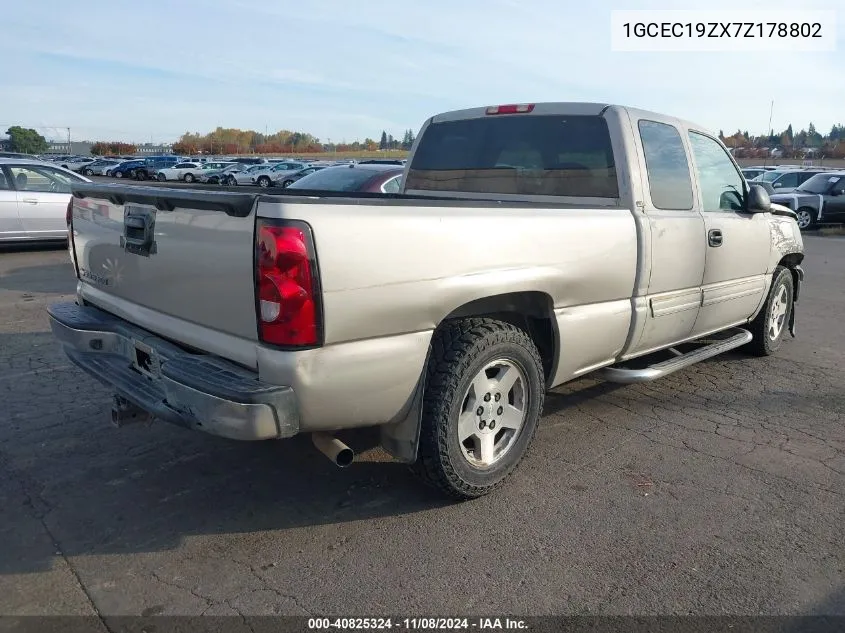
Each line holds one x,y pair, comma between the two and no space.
125,169
99,167
180,171
34,197
530,245
372,178
153,165
287,178
219,176
270,173
819,200
248,161
751,173
76,164
789,180
245,176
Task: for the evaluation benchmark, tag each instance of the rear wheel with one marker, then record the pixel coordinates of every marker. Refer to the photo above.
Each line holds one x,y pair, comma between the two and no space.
483,397
287,183
770,326
87,172
189,178
141,174
806,218
162,178
232,182
118,174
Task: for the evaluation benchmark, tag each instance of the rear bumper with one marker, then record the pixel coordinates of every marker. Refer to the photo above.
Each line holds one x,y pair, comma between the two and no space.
196,391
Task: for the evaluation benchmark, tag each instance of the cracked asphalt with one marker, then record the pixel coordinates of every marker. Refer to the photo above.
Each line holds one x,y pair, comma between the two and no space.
718,490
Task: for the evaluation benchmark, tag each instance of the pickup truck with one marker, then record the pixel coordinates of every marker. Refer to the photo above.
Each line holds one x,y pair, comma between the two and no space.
531,244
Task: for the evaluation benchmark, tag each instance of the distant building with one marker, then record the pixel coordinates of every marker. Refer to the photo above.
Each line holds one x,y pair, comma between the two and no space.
76,148
156,149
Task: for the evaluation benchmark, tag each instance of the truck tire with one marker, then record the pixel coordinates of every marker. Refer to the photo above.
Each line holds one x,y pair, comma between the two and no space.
806,218
483,398
772,323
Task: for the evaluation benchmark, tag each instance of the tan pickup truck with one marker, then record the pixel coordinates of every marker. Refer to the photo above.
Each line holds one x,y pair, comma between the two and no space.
530,244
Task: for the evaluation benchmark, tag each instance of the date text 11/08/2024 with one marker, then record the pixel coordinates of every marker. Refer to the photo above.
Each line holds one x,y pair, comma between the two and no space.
417,624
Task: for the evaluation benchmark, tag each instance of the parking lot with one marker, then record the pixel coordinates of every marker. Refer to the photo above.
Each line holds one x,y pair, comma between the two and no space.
717,490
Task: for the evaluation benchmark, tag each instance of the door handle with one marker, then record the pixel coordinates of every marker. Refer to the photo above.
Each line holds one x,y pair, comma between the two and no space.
714,237
31,200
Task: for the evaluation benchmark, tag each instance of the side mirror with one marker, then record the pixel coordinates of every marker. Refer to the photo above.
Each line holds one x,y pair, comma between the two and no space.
758,200
777,184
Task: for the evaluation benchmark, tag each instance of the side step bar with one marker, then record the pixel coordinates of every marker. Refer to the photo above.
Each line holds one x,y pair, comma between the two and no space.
738,338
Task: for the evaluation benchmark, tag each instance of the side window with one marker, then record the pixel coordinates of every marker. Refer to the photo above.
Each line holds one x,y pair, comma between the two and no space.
720,182
392,185
787,180
40,179
4,182
667,166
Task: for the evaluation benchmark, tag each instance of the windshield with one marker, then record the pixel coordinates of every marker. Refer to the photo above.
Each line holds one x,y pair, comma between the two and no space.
819,183
770,176
335,179
552,155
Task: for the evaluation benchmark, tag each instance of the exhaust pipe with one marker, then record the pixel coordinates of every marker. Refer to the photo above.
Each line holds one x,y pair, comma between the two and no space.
333,448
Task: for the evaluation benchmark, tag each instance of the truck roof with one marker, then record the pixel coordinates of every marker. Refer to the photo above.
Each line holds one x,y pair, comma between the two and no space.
584,108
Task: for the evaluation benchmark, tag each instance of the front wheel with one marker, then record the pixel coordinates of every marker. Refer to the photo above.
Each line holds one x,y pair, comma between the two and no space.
264,181
189,178
162,178
88,172
482,402
118,174
771,324
232,181
806,218
287,183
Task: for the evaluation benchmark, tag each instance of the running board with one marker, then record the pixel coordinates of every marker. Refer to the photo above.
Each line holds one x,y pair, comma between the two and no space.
738,338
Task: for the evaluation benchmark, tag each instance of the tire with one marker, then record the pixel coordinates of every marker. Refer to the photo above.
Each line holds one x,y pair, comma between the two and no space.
287,183
118,174
162,178
141,174
88,172
463,355
189,178
231,181
772,323
806,218
263,181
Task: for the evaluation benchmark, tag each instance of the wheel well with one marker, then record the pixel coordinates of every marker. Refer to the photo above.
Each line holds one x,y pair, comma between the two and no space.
791,261
530,311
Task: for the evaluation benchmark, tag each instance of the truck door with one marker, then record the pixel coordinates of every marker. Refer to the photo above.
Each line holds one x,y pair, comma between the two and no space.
738,244
673,240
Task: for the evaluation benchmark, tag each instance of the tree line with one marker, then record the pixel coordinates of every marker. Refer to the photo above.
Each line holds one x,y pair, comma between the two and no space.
791,144
236,141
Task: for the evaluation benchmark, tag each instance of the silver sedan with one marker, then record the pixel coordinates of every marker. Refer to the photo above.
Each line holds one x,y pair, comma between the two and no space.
33,200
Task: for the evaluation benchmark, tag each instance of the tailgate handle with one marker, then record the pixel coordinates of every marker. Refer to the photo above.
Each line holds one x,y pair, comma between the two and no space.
139,232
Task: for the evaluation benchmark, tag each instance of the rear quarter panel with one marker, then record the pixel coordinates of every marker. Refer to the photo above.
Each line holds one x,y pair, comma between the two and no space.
391,272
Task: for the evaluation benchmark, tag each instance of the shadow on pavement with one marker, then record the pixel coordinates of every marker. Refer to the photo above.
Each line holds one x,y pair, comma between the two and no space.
67,474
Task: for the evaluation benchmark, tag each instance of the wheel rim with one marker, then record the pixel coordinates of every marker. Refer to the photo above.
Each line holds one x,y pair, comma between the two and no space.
804,219
494,410
189,178
777,315
119,175
262,182
162,178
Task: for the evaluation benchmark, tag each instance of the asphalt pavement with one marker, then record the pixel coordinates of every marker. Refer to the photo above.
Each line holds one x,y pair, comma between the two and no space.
718,490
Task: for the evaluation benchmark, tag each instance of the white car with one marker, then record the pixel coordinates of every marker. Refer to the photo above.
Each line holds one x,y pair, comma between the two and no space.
34,197
189,172
77,164
273,173
247,176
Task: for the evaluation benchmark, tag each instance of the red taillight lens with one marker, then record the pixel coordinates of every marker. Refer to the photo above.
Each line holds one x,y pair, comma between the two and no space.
512,108
286,284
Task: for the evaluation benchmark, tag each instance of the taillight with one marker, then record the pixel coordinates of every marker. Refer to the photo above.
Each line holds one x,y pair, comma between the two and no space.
513,108
287,286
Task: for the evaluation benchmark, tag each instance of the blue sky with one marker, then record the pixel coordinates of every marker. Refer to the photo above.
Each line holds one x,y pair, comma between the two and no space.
339,69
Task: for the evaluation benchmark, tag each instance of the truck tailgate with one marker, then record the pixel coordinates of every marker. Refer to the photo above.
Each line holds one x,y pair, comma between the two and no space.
153,252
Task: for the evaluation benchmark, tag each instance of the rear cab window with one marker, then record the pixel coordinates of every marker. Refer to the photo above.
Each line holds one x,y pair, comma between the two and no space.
527,154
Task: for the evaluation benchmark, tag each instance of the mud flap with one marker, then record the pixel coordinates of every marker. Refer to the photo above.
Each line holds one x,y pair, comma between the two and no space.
792,321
